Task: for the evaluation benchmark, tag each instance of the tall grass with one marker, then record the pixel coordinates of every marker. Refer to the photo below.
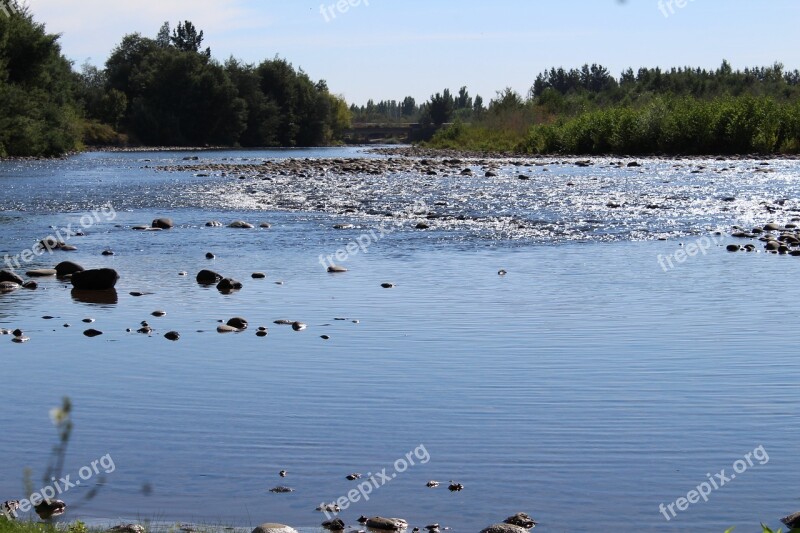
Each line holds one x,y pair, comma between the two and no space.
663,125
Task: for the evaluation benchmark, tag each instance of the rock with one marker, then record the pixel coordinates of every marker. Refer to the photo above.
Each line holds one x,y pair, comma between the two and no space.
773,245
634,164
792,521
733,248
67,268
41,273
501,272
432,484
222,328
50,243
30,285
274,528
262,333
337,524
92,333
281,490
240,224
265,225
387,524
20,339
108,253
238,323
504,528
353,477
283,473
259,275
7,275
325,337
343,226
127,528
49,509
490,174
101,279
521,520
209,255
387,285
299,326
8,286
214,224
422,225
208,277
336,269
17,332
772,227
229,285
163,223
159,313
456,487
172,336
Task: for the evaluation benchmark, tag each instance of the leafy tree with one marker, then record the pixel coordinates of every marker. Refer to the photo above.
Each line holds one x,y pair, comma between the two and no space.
441,108
187,39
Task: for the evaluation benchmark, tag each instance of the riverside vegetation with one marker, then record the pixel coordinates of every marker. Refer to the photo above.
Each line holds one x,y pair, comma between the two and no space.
681,111
169,91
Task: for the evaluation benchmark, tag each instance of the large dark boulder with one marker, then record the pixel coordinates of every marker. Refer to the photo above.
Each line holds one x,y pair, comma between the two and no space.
67,268
208,277
7,275
163,223
101,279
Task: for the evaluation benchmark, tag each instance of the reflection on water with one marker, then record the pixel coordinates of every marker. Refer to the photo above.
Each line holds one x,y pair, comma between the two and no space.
101,298
586,380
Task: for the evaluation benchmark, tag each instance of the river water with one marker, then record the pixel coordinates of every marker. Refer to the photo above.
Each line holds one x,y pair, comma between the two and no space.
587,386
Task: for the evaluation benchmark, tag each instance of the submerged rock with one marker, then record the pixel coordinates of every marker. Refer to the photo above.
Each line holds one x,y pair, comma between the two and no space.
337,524
172,336
92,333
281,490
238,323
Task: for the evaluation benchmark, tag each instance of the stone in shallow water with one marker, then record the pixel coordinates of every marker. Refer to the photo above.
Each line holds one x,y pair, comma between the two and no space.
504,528
95,280
387,524
92,333
7,275
172,335
274,528
41,273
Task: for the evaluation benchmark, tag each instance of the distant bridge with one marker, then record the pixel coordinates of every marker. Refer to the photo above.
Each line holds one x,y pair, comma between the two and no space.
376,133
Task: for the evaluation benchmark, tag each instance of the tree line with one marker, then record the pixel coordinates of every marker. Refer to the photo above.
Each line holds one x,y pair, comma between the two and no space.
650,111
165,90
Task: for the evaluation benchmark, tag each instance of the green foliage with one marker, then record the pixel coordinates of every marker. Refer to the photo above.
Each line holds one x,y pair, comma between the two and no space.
38,114
675,126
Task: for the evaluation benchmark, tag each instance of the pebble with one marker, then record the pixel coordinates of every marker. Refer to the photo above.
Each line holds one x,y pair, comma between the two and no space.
159,313
88,320
456,487
172,336
92,333
281,490
20,339
209,255
502,273
325,337
387,285
299,326
335,269
432,484
259,275
108,252
353,477
283,473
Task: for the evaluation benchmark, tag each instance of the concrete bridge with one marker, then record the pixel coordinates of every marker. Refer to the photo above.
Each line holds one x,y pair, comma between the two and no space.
374,133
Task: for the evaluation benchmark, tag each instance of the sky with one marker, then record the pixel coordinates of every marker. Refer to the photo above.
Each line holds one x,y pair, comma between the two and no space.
389,49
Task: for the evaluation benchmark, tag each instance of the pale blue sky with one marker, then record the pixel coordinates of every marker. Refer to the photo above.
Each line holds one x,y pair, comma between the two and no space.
392,48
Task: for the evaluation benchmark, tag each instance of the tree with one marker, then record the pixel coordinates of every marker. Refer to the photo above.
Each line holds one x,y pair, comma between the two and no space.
163,39
187,39
441,108
409,107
